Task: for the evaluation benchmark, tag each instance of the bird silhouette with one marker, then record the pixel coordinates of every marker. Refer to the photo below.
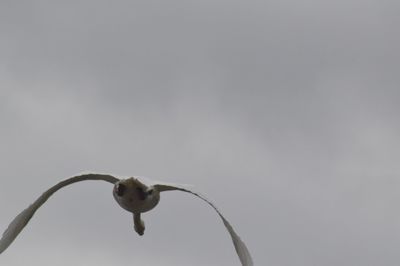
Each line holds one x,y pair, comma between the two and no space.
133,195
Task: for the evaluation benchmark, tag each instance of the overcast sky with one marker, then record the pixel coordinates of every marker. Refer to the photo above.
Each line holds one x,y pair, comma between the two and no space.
284,113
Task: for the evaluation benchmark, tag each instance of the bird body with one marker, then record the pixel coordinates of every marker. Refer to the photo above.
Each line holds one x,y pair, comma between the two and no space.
132,195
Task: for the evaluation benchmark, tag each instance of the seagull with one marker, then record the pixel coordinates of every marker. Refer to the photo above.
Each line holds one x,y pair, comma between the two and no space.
134,194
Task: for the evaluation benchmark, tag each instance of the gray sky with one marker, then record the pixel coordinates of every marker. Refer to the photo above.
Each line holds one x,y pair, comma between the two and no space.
284,113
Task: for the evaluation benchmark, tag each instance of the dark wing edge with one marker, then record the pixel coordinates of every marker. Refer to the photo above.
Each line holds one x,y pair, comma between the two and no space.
23,218
240,246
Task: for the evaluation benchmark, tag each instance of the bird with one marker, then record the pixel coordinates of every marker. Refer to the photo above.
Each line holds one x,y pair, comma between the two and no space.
135,194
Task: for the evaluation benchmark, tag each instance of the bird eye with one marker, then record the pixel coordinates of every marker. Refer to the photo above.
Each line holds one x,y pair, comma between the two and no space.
150,191
120,189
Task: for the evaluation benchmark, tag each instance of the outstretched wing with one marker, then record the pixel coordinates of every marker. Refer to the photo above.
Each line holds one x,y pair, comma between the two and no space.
241,249
23,218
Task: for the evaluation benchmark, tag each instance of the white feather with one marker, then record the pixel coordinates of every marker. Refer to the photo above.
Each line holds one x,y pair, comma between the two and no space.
23,218
240,246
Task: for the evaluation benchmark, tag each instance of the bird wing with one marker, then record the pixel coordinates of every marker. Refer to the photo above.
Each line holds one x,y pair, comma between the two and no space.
23,218
240,246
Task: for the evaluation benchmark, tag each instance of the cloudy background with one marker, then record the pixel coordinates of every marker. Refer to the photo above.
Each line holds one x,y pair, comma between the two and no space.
285,113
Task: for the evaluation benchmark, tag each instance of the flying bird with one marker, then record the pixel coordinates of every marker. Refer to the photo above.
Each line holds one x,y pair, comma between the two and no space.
133,195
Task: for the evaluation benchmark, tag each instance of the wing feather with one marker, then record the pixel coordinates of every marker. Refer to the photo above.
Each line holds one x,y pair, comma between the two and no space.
23,218
240,246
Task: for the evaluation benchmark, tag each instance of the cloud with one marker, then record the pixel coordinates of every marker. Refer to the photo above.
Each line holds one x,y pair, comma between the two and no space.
284,113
